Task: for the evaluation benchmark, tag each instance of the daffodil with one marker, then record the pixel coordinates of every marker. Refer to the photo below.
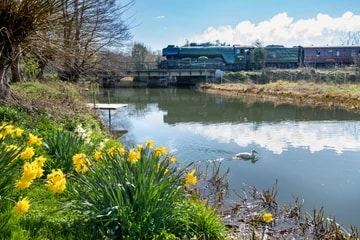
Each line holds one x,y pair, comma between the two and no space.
140,147
158,152
97,155
23,183
121,150
21,206
149,143
39,161
267,217
11,147
17,132
34,140
133,156
172,159
81,162
111,151
190,179
30,171
56,181
7,129
28,153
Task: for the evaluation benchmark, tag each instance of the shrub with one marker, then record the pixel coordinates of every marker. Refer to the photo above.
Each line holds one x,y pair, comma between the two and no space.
138,194
130,194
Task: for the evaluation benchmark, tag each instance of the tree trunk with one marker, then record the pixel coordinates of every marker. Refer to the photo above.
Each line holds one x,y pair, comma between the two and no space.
15,69
5,92
42,65
5,60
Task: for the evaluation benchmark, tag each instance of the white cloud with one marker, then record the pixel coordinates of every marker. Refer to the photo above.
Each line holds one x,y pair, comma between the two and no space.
160,17
283,29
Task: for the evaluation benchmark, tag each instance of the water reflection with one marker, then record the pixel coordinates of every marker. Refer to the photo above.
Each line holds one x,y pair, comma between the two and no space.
314,136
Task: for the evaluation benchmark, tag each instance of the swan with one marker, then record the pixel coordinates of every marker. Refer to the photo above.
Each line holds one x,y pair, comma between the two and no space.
246,155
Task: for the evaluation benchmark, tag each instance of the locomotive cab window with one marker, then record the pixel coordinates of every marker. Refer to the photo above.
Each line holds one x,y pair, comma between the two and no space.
338,53
317,53
240,51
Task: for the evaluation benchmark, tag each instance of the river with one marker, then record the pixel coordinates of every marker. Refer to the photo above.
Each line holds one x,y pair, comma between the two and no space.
314,154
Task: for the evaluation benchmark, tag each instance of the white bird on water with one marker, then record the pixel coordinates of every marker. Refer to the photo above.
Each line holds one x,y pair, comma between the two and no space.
247,156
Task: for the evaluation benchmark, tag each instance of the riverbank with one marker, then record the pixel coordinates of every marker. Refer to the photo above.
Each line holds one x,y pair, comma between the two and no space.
301,93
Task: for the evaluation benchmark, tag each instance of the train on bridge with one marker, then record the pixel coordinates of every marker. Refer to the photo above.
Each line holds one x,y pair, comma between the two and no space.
237,57
195,63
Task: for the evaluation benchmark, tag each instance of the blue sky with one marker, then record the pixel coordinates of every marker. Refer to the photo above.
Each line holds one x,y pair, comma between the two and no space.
158,23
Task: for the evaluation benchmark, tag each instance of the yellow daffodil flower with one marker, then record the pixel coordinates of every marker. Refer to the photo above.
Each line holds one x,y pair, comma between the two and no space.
56,181
158,152
190,179
22,184
267,217
111,151
30,171
17,132
7,129
28,153
133,156
81,162
140,147
34,140
11,147
97,155
21,207
172,159
121,150
149,143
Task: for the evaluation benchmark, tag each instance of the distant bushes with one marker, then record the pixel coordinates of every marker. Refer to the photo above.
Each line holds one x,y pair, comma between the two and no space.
271,75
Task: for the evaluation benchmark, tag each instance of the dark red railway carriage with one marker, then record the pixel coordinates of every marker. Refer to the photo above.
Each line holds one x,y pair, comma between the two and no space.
330,56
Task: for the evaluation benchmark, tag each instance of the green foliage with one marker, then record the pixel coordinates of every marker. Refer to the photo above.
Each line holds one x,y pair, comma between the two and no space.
131,200
235,76
259,54
8,170
10,113
138,54
61,146
203,221
47,219
31,67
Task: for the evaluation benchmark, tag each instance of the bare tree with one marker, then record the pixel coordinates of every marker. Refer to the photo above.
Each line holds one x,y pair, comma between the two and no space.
113,64
21,22
89,26
350,38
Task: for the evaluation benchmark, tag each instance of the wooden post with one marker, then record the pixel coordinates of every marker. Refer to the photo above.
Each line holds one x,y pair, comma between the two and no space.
109,110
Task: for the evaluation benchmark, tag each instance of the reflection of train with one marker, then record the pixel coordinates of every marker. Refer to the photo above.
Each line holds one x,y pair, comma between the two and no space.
237,57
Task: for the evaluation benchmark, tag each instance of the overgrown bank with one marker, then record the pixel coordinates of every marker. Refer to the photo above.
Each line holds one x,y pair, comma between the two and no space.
301,93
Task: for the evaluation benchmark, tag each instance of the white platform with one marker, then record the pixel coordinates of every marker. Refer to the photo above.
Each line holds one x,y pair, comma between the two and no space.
111,106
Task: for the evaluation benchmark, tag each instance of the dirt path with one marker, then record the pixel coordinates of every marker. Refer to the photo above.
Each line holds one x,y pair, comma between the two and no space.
328,96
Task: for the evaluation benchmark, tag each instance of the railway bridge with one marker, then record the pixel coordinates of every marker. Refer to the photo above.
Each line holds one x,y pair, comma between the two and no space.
148,75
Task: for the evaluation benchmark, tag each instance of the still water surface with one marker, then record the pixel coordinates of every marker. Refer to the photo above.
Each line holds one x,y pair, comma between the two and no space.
314,154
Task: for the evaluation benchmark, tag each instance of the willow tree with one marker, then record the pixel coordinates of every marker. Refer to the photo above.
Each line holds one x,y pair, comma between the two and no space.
21,22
